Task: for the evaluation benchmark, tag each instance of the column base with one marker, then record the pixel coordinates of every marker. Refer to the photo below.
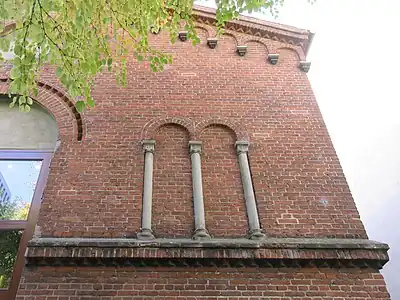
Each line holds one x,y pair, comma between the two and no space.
145,234
255,234
201,234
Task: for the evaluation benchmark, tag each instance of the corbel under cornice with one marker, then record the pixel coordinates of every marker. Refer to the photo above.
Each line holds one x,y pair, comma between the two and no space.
305,66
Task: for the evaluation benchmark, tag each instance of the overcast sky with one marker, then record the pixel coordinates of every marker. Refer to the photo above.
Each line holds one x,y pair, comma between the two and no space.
354,74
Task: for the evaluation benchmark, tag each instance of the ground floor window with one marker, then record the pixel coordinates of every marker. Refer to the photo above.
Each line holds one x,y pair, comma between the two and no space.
23,175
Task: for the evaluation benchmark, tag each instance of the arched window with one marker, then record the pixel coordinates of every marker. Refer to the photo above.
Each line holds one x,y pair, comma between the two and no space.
27,142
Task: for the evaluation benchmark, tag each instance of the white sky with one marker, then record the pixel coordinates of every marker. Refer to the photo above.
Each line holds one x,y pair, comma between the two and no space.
354,74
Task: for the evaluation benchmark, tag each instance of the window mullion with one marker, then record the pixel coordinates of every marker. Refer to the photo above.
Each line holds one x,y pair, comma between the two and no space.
13,225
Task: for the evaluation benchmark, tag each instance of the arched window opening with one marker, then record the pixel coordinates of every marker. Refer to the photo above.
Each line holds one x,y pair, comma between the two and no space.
27,142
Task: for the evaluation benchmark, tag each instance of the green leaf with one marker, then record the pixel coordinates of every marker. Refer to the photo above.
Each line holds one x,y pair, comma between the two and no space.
17,61
21,100
90,102
59,72
18,49
80,106
64,79
4,44
15,72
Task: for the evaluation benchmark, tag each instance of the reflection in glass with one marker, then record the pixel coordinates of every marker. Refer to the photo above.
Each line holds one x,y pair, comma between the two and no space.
18,180
9,243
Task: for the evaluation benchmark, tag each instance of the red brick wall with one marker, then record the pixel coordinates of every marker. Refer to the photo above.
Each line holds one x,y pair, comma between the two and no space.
208,283
95,186
223,193
172,189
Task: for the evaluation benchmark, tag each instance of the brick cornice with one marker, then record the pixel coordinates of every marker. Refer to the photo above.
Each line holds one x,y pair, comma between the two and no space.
259,28
271,252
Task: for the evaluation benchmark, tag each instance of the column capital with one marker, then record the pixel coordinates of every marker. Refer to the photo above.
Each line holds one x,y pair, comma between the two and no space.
242,147
148,145
195,147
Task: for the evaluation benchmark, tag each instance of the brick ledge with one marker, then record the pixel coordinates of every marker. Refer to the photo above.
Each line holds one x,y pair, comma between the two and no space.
271,252
290,243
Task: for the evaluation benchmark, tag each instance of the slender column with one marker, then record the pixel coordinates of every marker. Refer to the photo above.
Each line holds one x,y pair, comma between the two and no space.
145,230
242,147
200,231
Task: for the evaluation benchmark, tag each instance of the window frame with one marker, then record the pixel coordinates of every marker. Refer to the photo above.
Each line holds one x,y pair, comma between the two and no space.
27,226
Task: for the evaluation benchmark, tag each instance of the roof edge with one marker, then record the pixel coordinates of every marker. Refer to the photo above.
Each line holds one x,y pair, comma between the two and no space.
261,28
255,21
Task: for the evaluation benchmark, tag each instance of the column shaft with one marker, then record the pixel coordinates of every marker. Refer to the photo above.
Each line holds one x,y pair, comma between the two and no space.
251,206
145,230
147,190
197,192
197,184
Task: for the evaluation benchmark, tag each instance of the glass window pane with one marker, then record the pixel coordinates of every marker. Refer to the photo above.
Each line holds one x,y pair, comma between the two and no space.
9,243
18,180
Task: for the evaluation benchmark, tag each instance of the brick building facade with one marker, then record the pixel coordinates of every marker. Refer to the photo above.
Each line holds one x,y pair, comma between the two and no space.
215,179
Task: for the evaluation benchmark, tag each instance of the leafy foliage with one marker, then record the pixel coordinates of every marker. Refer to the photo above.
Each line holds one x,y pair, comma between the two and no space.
6,209
16,209
84,37
9,240
9,243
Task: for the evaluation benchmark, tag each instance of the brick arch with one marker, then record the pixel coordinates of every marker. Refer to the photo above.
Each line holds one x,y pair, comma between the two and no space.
293,49
235,126
203,29
172,202
202,34
212,31
150,129
68,119
233,36
225,210
257,41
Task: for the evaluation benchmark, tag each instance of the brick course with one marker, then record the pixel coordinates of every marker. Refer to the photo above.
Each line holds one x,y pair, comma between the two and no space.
46,283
